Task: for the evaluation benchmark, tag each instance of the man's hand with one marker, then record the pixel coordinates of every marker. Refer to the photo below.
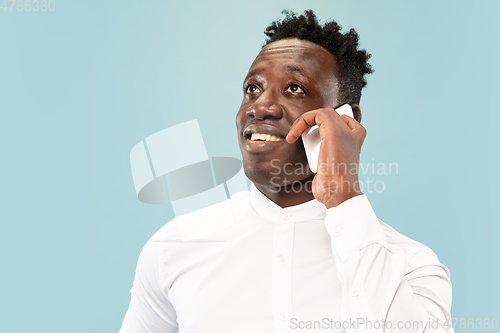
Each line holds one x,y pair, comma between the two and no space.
342,137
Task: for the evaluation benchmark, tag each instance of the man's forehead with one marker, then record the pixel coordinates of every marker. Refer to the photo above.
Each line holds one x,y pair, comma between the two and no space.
298,50
291,41
293,46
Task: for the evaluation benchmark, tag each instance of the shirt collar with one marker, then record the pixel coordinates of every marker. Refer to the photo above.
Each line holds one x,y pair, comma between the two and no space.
309,210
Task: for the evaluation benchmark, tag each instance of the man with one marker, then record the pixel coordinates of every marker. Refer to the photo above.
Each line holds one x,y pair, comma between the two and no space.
300,251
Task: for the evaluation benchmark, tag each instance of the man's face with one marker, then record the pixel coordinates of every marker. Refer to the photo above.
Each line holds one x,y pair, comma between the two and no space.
288,78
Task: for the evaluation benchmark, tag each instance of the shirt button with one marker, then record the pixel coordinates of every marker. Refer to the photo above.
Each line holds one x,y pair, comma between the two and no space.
286,217
337,231
283,316
354,292
281,258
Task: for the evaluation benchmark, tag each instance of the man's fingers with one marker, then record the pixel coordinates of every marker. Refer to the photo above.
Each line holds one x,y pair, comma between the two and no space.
356,127
302,123
351,122
317,117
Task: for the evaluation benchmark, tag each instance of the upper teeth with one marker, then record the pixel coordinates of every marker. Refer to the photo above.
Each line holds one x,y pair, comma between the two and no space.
265,137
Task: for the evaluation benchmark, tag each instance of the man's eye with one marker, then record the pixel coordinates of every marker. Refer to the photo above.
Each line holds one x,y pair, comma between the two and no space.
251,89
295,88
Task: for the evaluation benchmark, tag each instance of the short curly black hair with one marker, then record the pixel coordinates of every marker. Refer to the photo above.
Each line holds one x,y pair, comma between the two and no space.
353,63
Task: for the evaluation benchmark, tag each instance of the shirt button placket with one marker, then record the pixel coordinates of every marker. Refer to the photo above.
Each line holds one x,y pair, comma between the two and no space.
282,269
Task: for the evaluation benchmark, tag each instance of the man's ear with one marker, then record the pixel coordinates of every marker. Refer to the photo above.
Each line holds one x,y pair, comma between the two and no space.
356,111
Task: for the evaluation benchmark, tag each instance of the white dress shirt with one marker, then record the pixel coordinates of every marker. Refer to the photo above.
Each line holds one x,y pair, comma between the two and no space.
248,265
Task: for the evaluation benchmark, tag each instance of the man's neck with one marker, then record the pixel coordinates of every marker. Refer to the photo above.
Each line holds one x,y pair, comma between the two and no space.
290,195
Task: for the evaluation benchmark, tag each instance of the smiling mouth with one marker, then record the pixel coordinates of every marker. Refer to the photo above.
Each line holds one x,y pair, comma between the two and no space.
260,137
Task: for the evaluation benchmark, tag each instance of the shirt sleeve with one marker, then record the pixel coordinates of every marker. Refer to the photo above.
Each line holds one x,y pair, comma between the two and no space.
383,288
150,310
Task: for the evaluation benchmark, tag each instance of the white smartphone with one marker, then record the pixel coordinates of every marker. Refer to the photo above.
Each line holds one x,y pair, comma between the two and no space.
312,140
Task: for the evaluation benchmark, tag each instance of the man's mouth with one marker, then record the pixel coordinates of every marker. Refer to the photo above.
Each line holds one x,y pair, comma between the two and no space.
256,137
255,133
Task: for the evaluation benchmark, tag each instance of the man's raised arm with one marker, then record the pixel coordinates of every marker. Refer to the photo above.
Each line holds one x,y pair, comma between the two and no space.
389,283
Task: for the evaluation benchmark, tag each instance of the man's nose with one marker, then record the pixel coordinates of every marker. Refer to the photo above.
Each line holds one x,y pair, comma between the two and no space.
266,106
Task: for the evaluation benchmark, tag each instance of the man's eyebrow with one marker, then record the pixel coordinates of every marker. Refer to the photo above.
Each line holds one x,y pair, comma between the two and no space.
298,70
288,68
253,73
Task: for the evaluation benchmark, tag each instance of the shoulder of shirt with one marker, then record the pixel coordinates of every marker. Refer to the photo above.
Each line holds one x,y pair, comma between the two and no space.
408,245
203,221
417,254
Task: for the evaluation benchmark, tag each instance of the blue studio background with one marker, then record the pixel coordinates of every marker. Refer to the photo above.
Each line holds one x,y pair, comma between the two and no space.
82,84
